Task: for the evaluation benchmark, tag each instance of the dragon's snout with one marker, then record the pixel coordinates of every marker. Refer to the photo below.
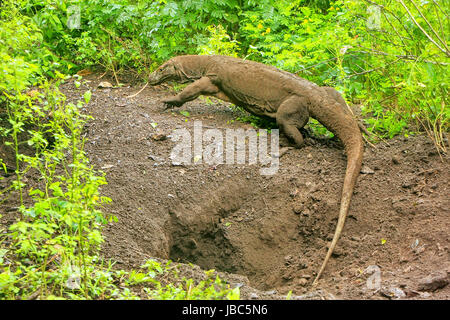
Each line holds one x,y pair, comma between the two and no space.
163,73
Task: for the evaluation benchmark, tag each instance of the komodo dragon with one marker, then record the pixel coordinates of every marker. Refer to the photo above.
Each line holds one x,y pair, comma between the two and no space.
267,91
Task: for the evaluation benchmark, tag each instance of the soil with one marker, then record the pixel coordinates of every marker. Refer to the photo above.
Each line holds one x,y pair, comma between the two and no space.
268,233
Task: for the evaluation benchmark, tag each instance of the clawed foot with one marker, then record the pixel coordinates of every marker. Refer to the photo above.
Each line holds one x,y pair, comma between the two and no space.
170,103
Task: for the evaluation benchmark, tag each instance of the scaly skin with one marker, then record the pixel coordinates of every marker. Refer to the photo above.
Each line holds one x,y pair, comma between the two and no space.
266,91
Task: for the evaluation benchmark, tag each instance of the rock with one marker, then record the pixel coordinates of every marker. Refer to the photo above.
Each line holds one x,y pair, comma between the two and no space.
392,292
433,282
104,84
396,159
152,157
298,208
315,295
253,296
270,293
367,170
306,213
416,248
425,295
159,136
288,260
293,193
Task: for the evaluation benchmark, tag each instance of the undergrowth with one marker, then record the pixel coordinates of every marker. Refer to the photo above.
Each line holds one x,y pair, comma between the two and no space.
50,242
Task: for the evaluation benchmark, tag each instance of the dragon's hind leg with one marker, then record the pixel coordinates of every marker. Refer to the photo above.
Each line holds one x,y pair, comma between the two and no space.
291,116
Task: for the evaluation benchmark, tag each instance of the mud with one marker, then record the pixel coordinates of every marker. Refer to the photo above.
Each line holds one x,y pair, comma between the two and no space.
271,230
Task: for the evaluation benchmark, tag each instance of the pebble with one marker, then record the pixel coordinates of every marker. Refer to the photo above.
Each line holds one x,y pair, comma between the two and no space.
159,136
392,292
253,296
395,159
271,292
367,170
104,84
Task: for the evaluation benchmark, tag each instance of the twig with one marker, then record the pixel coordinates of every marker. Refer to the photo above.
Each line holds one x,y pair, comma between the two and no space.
423,31
392,26
403,57
371,70
134,95
431,134
369,143
315,65
437,5
102,75
431,27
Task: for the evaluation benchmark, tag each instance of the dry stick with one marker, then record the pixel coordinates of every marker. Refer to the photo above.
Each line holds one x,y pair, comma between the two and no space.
325,61
371,70
114,72
134,95
438,139
437,5
423,31
428,23
439,18
384,39
392,26
432,127
315,65
403,57
369,143
102,75
429,132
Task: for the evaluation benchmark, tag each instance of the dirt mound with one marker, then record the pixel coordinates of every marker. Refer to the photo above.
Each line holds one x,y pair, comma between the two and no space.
274,230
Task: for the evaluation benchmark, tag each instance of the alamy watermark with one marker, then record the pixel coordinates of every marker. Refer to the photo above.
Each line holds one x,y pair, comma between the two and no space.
74,17
213,147
374,20
374,280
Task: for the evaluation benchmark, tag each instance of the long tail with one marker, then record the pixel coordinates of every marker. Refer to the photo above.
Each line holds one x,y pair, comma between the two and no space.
351,137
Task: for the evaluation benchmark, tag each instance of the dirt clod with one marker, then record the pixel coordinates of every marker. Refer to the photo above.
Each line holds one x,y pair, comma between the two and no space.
433,282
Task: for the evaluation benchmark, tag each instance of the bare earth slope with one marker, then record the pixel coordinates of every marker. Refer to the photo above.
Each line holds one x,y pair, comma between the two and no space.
273,230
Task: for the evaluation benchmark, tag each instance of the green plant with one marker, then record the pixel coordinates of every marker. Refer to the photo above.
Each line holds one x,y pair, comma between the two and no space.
55,241
219,43
212,288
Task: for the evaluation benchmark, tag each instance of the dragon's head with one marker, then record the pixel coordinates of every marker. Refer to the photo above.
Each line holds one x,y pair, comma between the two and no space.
163,73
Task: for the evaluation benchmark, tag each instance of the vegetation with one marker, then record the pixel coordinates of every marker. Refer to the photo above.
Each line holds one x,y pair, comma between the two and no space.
389,56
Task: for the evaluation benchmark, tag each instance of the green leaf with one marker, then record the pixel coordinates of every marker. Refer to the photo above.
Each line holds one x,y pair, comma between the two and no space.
87,96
